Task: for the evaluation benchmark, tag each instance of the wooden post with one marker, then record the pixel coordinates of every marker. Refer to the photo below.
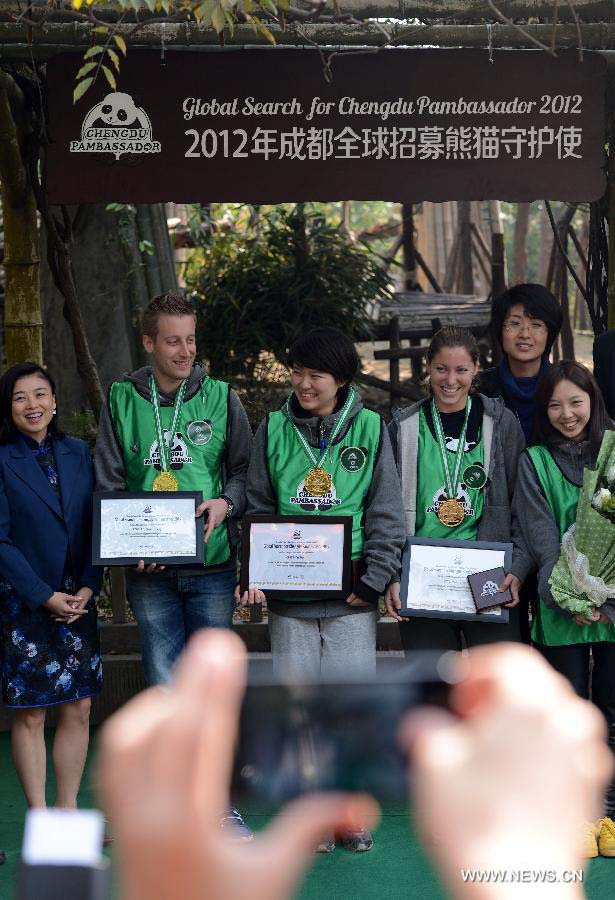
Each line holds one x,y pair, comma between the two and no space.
465,226
498,265
428,273
451,265
611,219
519,261
566,335
119,605
407,231
395,344
498,281
551,267
410,275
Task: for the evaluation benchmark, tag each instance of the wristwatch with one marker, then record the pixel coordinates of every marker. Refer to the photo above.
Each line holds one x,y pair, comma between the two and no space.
230,505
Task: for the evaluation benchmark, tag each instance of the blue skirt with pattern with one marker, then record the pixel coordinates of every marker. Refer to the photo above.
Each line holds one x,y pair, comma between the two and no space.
46,662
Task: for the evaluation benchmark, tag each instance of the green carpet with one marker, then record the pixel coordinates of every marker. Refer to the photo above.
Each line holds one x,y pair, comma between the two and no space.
394,870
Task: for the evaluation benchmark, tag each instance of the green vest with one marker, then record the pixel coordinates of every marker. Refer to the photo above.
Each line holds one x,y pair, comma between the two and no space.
431,489
352,470
549,627
197,447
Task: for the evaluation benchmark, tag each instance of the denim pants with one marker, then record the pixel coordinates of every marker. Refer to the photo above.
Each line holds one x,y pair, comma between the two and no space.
169,607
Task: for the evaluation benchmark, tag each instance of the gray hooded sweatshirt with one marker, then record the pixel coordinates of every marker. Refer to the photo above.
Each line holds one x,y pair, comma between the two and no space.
503,442
109,459
538,525
383,514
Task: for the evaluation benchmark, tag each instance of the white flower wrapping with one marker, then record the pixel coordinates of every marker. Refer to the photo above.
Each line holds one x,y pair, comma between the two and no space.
600,497
594,587
583,578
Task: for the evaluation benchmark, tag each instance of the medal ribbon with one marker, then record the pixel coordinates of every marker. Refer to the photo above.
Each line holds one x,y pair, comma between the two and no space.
350,401
452,482
164,449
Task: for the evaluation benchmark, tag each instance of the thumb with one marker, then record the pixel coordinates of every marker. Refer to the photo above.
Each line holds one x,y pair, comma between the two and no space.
296,831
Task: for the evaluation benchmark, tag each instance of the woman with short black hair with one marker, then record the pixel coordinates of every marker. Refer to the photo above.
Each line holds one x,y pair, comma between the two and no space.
323,453
328,350
48,625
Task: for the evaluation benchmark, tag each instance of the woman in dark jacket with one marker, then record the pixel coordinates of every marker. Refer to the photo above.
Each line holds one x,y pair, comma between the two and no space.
48,626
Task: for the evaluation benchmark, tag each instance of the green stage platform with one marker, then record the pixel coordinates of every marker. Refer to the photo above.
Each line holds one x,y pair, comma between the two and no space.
395,869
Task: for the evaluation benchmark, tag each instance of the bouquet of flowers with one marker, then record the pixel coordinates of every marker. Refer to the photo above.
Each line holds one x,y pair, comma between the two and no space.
604,498
583,578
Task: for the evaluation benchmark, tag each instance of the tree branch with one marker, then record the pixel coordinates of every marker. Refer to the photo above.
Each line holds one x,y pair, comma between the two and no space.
12,167
578,27
560,247
525,33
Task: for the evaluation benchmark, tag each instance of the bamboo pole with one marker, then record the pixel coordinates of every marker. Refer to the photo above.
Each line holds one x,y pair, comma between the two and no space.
611,220
22,310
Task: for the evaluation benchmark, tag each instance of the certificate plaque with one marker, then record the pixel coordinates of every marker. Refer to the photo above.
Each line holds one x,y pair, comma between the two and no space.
157,527
434,578
297,556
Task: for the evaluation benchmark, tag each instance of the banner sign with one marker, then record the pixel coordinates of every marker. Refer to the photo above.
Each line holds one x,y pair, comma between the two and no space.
264,126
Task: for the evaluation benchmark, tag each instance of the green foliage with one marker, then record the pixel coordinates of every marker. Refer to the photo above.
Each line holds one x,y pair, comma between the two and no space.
146,247
257,291
81,425
95,57
221,15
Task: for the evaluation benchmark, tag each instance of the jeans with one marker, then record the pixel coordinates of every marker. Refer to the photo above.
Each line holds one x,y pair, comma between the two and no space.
169,607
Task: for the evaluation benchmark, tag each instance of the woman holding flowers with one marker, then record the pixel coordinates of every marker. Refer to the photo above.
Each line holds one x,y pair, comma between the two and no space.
570,421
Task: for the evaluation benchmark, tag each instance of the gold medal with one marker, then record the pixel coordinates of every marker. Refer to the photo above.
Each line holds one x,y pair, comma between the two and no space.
166,481
318,482
451,513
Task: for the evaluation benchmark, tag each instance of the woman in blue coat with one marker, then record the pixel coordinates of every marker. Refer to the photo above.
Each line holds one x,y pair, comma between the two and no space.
48,626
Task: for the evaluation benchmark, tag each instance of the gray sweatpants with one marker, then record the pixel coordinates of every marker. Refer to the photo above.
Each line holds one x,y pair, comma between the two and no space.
334,649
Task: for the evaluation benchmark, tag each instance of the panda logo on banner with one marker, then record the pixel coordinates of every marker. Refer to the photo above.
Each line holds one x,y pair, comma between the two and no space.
116,125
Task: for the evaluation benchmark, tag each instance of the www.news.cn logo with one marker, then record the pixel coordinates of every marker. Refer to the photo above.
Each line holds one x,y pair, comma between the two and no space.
521,876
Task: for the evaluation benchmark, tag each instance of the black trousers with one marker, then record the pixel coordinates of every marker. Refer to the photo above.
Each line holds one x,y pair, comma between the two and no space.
420,633
590,669
528,596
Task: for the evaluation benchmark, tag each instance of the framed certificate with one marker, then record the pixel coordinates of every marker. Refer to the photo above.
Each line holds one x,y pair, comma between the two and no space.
155,526
434,578
293,556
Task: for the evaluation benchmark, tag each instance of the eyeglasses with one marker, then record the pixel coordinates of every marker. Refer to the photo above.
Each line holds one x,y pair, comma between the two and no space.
514,326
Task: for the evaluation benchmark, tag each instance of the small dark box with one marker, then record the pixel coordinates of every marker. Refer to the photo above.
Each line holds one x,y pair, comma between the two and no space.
485,589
